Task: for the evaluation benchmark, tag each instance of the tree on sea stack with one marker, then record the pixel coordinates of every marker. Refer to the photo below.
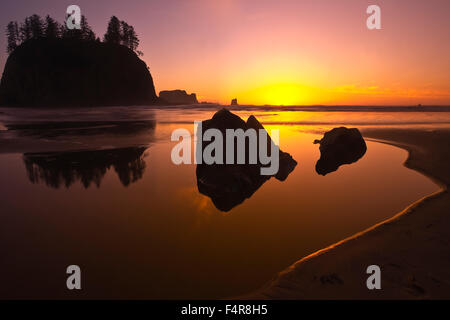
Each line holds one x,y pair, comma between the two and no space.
52,28
34,27
31,28
25,30
134,41
120,32
12,33
113,33
37,26
125,34
86,30
85,33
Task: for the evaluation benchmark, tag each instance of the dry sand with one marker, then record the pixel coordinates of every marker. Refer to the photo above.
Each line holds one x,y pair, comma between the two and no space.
412,248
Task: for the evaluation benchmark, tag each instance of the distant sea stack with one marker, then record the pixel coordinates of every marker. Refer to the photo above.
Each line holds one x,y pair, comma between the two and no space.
72,72
234,102
177,97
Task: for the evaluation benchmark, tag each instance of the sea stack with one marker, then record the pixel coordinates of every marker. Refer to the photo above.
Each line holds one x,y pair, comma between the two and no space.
177,97
71,72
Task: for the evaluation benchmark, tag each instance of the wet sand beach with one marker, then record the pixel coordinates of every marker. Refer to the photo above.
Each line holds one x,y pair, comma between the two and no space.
411,248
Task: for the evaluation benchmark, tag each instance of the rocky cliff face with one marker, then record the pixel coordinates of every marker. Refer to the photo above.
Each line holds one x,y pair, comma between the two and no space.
70,72
175,97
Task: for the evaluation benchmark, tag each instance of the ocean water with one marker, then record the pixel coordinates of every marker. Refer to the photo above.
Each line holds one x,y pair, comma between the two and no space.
97,188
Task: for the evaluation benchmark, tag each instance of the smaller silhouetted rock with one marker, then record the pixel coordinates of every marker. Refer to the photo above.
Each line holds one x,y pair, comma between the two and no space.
176,97
234,102
228,185
339,146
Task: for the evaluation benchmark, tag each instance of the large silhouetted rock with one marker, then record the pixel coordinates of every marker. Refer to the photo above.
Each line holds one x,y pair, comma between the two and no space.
71,72
339,146
228,185
177,97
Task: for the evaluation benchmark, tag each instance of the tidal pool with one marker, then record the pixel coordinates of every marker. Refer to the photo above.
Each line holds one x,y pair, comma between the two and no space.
112,202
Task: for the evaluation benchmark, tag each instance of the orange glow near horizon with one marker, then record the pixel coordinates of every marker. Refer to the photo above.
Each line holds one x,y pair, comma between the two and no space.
276,94
310,52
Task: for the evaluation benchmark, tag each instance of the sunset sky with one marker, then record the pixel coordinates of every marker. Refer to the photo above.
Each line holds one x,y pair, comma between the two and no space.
278,51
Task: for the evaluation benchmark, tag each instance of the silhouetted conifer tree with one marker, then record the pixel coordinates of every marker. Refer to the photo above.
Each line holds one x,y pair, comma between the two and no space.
52,28
134,40
128,37
113,33
25,30
32,28
37,26
118,32
125,34
86,31
12,33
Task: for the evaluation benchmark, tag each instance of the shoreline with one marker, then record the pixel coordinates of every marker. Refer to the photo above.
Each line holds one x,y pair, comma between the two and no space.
411,248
